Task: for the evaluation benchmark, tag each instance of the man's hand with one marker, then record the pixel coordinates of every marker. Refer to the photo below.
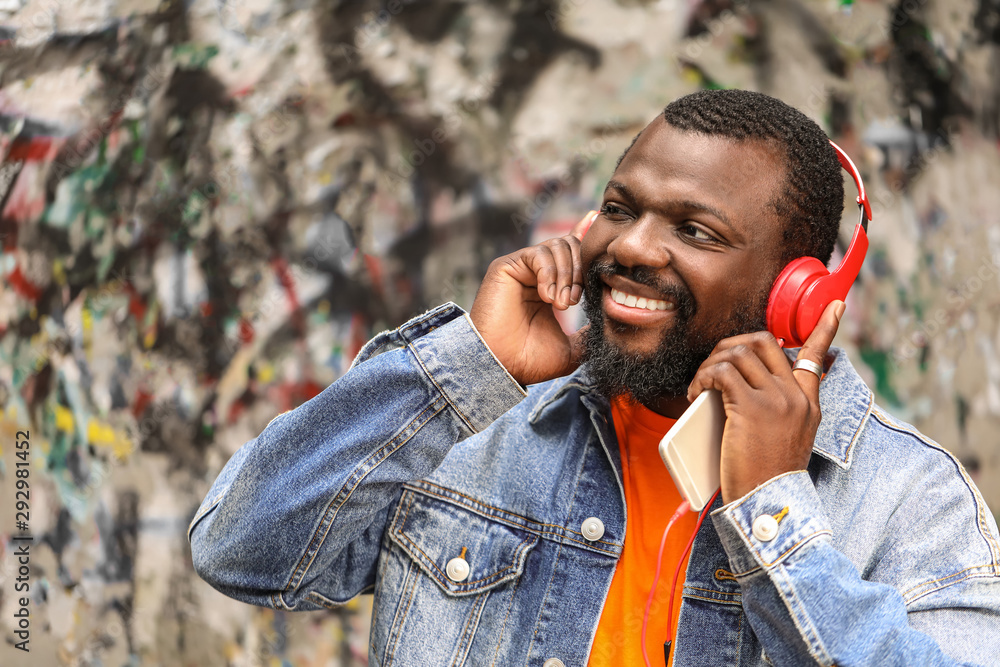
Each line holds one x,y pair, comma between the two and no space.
771,413
513,310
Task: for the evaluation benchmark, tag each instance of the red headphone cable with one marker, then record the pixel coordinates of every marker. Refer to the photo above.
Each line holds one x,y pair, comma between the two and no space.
683,507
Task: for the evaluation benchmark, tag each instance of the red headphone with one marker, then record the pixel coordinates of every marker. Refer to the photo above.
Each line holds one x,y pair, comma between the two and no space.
804,288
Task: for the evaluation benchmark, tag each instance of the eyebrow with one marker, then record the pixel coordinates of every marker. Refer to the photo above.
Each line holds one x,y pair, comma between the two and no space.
628,194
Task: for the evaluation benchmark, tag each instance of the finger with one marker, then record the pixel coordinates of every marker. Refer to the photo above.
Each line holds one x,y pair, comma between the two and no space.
577,291
744,359
562,254
541,262
816,347
723,376
764,345
580,229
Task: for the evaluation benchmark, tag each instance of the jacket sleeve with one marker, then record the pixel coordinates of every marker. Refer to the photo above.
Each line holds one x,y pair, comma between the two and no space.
295,518
808,604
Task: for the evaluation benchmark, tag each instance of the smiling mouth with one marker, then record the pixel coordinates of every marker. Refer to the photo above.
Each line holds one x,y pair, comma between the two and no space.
640,302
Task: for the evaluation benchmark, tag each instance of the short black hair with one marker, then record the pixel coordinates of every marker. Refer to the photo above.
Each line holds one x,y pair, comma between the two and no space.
813,197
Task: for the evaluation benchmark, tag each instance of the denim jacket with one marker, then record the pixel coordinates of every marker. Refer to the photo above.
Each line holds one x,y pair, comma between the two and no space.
427,476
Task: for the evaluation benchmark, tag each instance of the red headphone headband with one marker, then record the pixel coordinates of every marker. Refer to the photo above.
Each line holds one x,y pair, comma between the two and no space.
848,165
804,288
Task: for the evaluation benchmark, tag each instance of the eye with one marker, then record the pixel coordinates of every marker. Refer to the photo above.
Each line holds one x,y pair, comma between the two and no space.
697,233
612,210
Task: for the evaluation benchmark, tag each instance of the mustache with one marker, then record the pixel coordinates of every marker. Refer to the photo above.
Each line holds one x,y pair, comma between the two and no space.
678,293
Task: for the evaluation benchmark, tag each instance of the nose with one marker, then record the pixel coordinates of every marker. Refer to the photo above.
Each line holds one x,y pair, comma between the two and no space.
640,244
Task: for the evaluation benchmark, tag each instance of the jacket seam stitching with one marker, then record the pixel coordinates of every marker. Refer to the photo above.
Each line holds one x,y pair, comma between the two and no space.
375,598
934,589
411,582
322,600
502,514
861,427
504,368
709,590
439,574
206,510
576,485
444,395
503,626
330,603
557,534
811,638
735,603
746,573
396,629
329,516
465,639
548,590
980,509
749,496
802,540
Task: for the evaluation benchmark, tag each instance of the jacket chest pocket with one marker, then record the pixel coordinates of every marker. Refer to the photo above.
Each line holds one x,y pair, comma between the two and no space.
446,577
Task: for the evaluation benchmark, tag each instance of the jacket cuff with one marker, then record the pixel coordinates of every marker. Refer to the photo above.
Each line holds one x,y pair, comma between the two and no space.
772,522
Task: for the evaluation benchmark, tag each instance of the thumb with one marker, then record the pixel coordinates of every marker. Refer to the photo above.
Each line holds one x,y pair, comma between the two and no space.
816,347
580,229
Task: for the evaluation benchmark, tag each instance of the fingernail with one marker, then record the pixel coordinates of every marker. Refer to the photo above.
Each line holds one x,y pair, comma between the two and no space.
575,293
840,310
592,215
564,296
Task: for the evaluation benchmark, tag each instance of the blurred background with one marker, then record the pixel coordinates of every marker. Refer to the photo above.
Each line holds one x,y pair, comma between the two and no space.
206,208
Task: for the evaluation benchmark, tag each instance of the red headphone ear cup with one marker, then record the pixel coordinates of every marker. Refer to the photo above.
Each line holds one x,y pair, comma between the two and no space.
787,295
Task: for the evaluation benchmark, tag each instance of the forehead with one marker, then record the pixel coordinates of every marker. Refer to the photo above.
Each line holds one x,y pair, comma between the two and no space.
739,178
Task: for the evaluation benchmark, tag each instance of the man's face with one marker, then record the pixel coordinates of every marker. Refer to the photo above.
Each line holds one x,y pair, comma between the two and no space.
687,225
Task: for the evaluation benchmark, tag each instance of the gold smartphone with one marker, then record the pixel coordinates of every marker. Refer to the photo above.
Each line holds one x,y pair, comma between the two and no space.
692,448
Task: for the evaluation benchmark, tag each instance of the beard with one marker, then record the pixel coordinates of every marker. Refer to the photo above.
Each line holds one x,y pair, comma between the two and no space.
668,370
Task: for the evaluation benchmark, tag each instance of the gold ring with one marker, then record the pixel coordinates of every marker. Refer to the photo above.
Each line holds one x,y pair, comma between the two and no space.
808,365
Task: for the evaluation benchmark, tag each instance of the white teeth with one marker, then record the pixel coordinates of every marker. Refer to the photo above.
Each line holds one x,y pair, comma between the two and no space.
633,301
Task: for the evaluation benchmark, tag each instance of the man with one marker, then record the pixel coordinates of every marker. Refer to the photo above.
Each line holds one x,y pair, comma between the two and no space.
505,505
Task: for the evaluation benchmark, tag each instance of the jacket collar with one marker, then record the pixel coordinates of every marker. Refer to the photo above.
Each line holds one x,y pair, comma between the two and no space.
844,398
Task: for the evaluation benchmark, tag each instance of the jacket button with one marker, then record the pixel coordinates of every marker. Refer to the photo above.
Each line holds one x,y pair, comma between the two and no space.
765,527
593,530
553,662
457,569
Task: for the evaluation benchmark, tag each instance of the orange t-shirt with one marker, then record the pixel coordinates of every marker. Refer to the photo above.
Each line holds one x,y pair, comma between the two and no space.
651,499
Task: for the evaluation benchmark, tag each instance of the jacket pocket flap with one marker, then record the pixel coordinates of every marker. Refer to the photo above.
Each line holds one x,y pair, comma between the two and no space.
433,533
